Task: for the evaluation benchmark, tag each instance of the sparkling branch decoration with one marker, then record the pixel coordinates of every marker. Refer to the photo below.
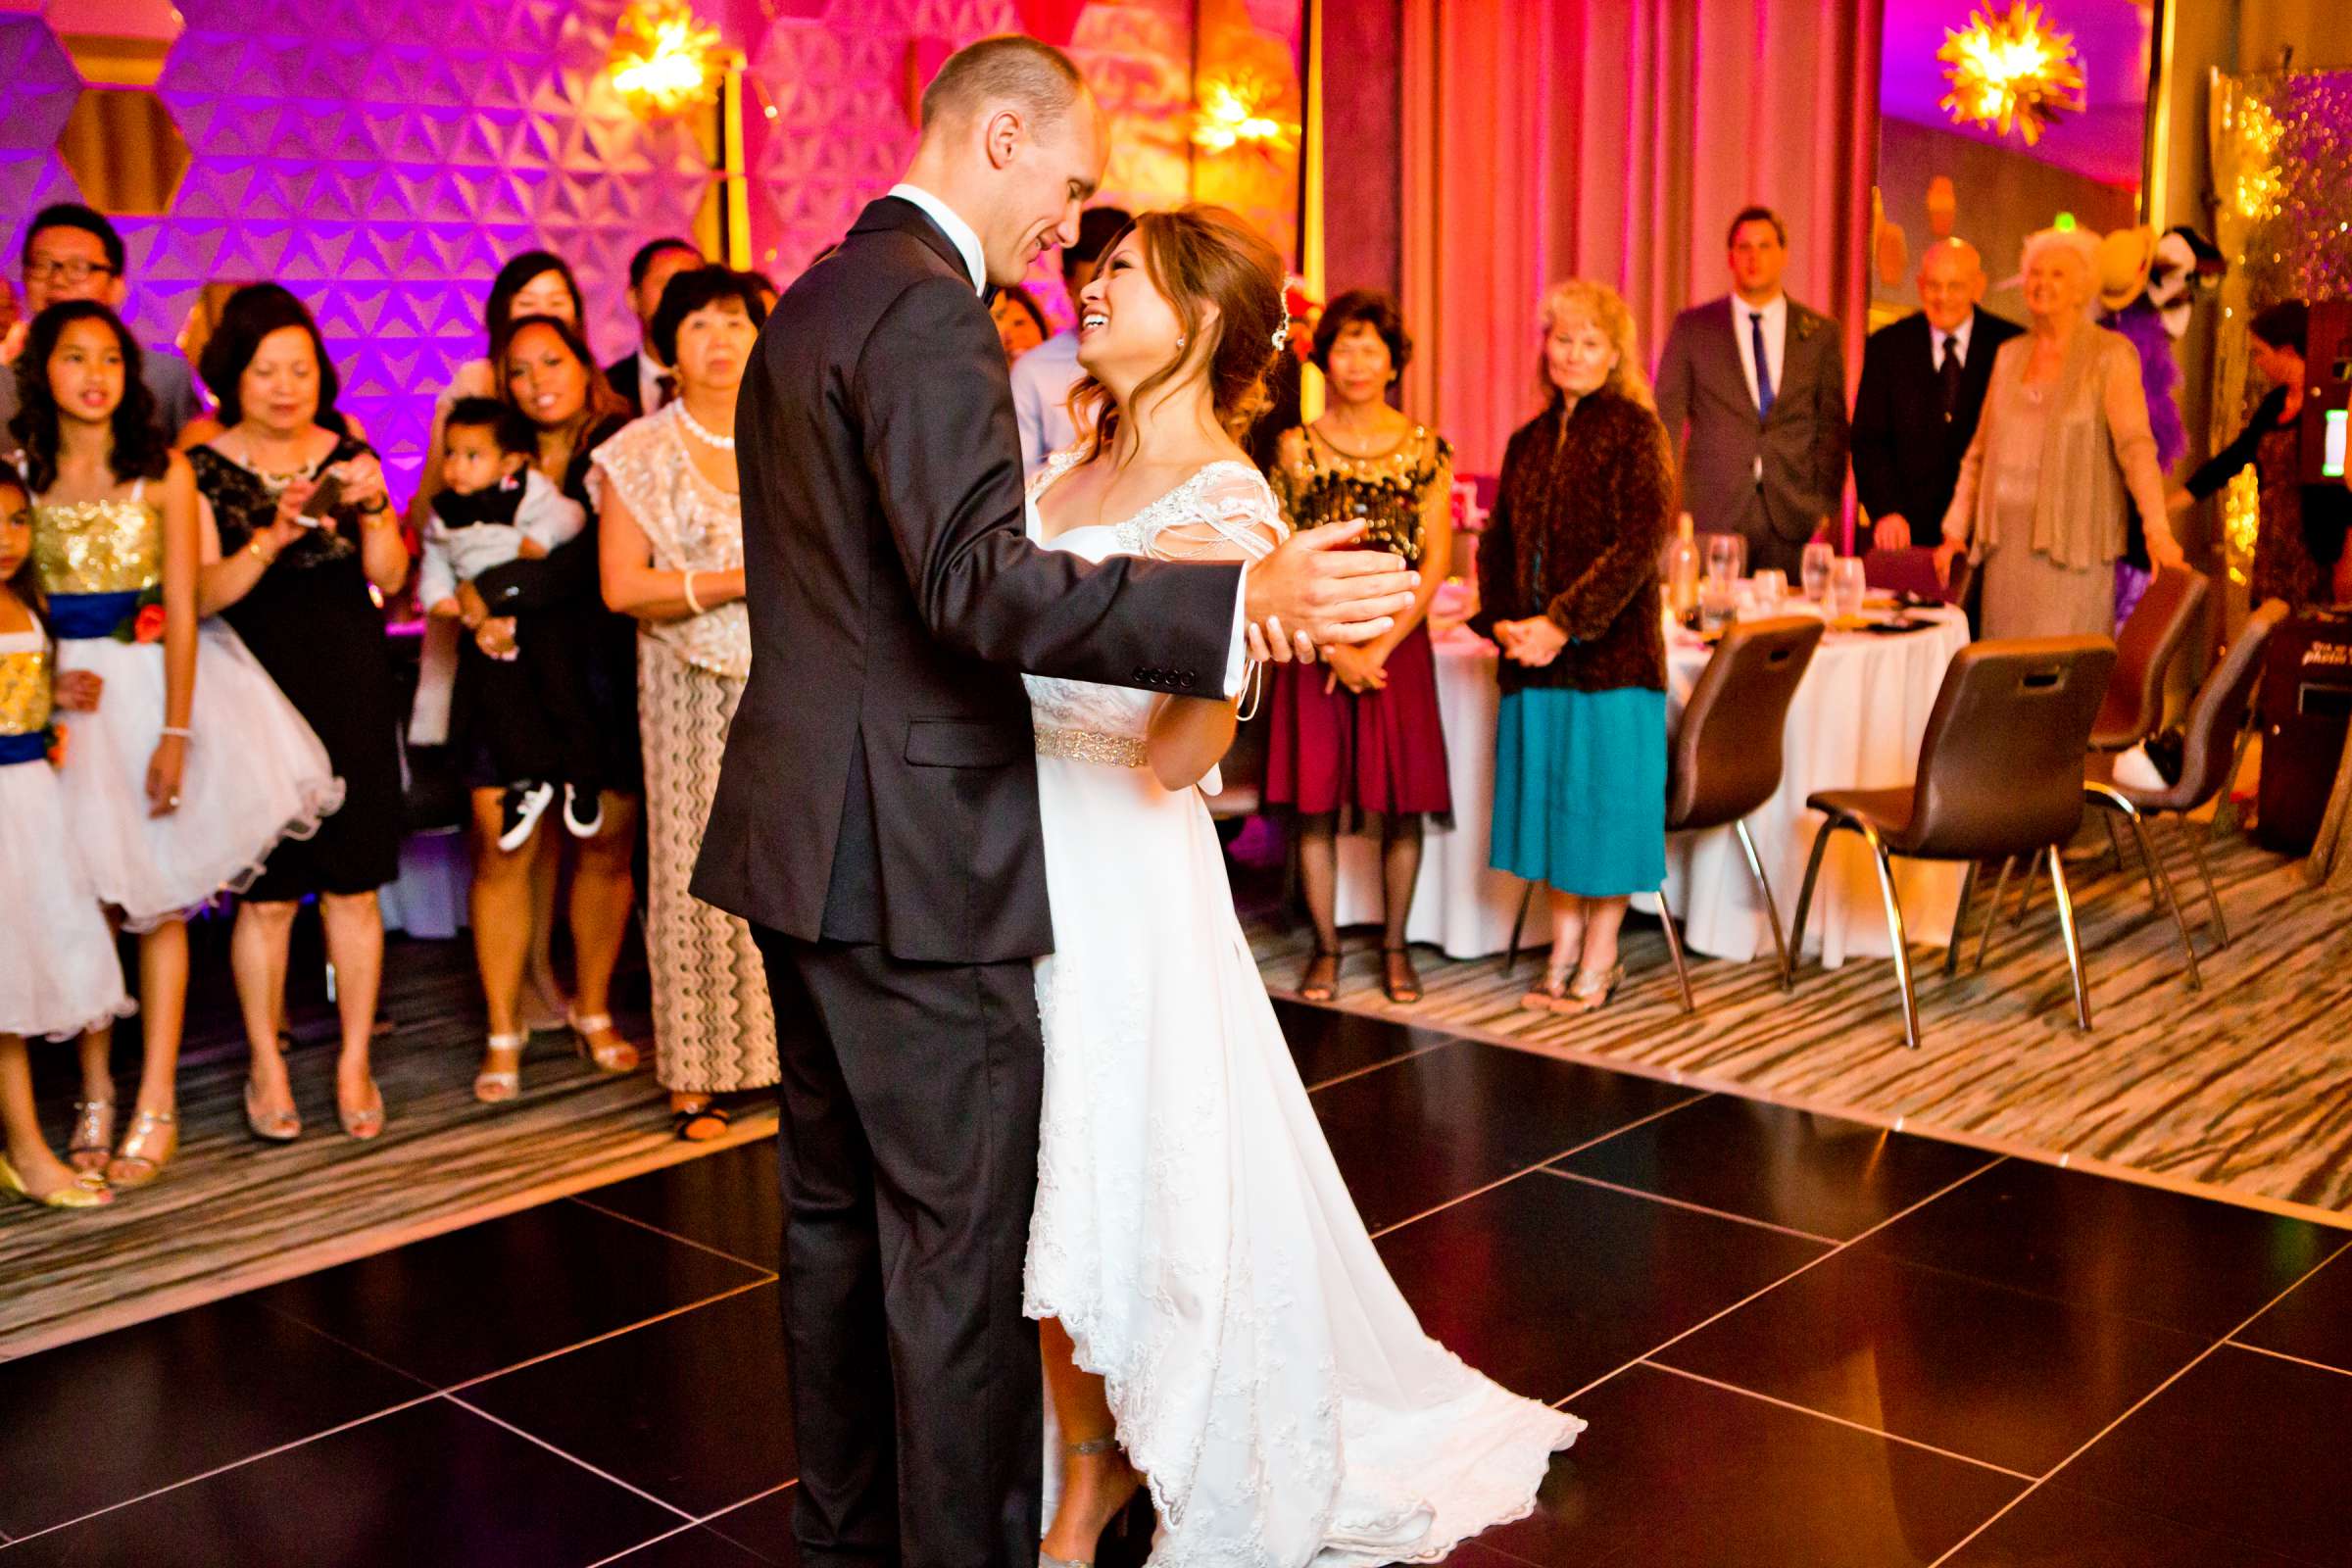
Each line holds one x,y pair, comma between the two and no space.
2011,71
1234,111
666,60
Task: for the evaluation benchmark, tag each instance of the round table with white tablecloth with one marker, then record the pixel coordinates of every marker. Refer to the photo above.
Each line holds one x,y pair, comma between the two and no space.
1856,723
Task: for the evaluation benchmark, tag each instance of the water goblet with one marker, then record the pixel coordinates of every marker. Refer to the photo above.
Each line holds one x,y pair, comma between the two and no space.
1814,572
1847,584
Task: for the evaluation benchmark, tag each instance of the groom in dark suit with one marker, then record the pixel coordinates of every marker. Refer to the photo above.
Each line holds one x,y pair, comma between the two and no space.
876,818
1752,390
1923,387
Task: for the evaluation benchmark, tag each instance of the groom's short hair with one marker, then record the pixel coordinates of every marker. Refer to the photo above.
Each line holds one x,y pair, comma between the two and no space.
1037,77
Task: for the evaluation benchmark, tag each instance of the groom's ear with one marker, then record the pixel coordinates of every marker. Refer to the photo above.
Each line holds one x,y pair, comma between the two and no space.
1002,132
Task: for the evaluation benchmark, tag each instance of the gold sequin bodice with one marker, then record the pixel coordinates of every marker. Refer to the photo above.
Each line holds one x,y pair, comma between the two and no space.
97,547
24,683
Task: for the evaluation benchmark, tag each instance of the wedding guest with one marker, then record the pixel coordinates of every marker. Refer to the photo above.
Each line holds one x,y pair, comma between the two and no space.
1357,738
295,580
672,512
194,765
550,375
641,377
533,710
1921,389
1021,322
1752,390
1043,379
72,252
2041,500
2285,565
535,283
1568,586
59,978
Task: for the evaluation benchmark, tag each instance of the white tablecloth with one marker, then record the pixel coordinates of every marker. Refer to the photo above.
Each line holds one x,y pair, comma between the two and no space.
1856,723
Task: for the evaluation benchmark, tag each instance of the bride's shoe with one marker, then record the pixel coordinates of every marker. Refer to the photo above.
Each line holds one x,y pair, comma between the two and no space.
1119,1522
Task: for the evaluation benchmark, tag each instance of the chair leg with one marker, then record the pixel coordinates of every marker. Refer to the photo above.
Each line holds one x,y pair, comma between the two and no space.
1992,912
2025,892
2229,800
2073,941
1674,947
2115,842
1804,902
1951,950
1894,930
2220,923
2170,903
1527,896
1772,911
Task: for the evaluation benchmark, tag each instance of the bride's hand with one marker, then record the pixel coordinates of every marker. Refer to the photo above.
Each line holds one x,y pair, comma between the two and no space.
1268,644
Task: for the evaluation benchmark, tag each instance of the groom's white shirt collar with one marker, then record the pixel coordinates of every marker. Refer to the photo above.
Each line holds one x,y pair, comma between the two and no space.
960,234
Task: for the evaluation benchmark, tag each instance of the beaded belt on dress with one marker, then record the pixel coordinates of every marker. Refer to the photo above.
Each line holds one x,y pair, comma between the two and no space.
1090,746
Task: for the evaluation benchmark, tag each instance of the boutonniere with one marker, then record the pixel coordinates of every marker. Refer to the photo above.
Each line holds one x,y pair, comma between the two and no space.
145,622
1805,322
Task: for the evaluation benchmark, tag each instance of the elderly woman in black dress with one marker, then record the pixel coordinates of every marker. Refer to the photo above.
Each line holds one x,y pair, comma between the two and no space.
296,588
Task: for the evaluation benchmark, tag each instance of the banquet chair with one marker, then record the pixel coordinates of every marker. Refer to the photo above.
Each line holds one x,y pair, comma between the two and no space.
1725,759
2000,774
2144,650
2215,735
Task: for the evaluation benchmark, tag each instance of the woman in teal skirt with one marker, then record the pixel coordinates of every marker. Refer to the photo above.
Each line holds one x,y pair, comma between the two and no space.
1568,588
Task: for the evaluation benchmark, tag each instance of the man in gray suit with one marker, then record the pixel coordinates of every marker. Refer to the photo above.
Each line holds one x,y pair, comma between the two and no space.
1752,389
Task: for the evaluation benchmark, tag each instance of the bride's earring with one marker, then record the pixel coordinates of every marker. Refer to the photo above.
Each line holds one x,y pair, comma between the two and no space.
1180,342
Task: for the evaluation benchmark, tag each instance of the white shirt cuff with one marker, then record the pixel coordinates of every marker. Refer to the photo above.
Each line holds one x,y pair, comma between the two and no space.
1237,658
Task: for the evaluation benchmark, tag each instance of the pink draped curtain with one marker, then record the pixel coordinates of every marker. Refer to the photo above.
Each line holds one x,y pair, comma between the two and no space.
1613,139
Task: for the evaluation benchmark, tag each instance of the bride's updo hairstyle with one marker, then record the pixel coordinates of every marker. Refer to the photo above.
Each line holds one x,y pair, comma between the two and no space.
1198,257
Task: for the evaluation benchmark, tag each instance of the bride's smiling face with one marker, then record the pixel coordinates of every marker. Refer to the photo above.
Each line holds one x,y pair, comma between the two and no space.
1127,328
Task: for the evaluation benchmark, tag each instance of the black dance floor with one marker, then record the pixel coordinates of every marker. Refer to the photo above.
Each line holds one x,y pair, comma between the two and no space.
1797,1341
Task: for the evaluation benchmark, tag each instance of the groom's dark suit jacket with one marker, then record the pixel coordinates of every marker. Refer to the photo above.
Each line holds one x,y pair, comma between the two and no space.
880,779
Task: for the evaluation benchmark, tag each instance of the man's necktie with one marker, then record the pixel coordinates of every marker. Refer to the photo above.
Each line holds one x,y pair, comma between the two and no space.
1755,328
1951,374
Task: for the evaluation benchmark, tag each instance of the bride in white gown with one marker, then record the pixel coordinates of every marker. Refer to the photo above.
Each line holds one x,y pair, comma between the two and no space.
1208,1295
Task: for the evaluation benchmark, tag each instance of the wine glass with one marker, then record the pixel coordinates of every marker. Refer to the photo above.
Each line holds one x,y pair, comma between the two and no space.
1724,553
1770,588
1847,584
1815,568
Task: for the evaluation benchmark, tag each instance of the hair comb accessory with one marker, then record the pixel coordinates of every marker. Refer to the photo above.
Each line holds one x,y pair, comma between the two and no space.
1282,337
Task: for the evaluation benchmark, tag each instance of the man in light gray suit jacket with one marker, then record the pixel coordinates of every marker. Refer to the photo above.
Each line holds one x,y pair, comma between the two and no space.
1752,389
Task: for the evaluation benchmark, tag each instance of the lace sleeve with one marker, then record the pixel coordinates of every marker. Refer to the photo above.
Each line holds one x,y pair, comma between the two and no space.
1232,516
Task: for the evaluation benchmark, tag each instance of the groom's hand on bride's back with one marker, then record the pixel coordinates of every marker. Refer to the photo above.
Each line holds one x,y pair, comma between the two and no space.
1314,591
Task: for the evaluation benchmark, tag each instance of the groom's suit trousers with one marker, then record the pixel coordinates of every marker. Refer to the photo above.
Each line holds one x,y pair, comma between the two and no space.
909,1156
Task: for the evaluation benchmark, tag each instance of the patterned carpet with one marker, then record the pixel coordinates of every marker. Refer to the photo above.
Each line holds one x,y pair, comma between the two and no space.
2242,1091
231,1214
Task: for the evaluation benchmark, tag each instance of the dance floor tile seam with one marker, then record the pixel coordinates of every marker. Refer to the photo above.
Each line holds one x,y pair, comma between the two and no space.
2057,1472
1838,1420
587,1200
1835,1251
2282,1356
685,1518
202,1476
1552,1168
595,1339
1535,1166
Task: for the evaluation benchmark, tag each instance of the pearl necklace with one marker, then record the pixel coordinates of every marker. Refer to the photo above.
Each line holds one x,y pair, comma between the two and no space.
696,430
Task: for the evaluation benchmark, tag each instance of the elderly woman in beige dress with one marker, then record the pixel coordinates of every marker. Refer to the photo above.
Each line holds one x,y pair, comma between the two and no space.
671,547
2061,455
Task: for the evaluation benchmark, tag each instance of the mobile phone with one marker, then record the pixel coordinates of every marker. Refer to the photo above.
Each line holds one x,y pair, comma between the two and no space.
322,500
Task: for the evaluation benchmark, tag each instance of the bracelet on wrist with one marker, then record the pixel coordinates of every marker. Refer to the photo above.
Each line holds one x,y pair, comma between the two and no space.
178,732
686,588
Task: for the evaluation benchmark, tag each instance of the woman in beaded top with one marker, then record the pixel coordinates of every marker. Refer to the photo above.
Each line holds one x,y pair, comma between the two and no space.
1359,739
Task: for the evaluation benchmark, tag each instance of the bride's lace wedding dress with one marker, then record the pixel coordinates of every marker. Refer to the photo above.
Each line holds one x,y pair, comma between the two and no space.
1192,1230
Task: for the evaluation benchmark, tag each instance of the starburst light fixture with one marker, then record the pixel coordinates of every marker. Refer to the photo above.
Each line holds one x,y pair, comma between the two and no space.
666,60
2011,71
1234,112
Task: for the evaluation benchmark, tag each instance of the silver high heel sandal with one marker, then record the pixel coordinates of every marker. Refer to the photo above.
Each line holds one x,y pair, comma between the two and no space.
494,1086
1092,1446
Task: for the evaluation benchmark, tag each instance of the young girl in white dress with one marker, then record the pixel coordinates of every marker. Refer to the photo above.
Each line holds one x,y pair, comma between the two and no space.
1216,1323
59,979
194,764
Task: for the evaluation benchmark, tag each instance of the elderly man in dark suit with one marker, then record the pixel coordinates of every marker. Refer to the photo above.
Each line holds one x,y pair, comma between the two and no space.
1923,386
876,818
1752,389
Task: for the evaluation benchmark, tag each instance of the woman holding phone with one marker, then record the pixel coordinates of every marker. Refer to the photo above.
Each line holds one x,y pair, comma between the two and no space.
298,530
